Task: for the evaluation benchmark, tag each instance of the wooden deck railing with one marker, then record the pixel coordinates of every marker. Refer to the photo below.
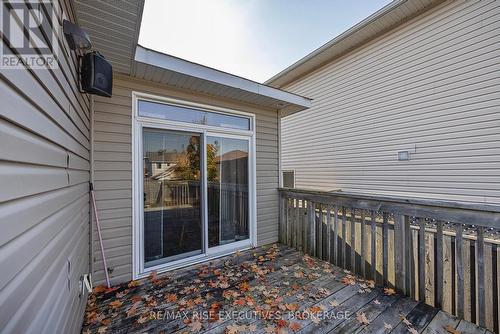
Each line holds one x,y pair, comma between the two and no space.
441,253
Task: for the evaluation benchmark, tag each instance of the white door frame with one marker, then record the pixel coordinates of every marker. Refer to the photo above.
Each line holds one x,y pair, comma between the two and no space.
138,123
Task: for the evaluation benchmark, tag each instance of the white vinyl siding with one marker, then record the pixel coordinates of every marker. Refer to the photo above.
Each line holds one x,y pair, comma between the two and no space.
112,167
429,87
44,203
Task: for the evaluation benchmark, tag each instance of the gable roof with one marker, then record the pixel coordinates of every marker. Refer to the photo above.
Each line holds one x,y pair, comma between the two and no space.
387,18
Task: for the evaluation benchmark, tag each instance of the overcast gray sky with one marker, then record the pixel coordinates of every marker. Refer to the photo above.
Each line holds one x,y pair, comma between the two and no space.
254,39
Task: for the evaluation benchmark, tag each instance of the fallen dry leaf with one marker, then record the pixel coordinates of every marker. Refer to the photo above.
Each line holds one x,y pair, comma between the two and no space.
334,303
376,302
133,284
361,317
389,291
387,326
412,330
451,329
115,304
195,325
99,289
405,321
171,297
295,326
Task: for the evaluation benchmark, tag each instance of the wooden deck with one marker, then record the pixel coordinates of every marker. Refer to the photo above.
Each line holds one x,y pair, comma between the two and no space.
268,290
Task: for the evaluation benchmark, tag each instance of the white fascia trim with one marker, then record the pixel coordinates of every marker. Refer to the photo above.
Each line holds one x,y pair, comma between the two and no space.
168,62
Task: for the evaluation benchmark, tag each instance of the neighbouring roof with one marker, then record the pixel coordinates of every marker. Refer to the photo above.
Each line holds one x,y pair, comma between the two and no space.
114,30
382,21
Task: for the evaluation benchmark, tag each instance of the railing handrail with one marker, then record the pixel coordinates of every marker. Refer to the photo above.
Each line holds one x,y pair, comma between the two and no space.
486,215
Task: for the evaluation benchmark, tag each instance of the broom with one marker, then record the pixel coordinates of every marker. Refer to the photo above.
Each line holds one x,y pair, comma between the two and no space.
99,233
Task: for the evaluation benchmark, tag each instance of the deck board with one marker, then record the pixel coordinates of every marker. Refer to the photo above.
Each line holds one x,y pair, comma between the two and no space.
277,289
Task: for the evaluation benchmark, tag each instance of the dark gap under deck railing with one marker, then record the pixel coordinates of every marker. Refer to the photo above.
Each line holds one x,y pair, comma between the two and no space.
442,253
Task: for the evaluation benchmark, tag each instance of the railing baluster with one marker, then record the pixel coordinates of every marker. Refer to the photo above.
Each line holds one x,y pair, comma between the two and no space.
399,253
421,260
289,222
282,220
385,247
319,252
439,265
408,256
373,244
303,222
480,277
353,240
335,235
299,224
329,233
312,223
344,240
363,244
460,271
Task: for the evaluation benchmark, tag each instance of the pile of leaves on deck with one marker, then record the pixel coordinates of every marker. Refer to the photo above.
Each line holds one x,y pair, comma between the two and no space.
262,281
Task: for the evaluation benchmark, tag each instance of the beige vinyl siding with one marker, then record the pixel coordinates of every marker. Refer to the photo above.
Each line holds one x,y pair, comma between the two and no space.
430,87
44,206
112,166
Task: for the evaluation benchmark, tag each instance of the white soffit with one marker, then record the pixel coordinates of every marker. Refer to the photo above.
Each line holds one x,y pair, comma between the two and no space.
169,70
113,26
382,21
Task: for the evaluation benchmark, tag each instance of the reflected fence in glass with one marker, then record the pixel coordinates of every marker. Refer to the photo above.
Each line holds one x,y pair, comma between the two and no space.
172,196
227,182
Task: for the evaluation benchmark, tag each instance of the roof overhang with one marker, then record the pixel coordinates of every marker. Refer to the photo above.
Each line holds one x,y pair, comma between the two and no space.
377,24
113,27
179,73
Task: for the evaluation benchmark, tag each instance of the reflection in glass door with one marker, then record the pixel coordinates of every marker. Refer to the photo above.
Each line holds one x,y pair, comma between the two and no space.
172,196
227,190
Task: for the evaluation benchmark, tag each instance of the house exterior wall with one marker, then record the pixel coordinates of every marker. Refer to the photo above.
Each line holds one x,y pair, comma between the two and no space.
44,201
430,87
112,170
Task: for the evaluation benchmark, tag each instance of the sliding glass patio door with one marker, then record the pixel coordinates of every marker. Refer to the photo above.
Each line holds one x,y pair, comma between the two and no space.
194,194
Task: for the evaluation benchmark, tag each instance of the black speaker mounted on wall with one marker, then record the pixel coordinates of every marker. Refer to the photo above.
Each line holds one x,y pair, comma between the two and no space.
96,74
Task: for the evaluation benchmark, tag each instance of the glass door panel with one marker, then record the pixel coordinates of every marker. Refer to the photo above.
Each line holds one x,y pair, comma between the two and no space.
172,196
227,190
